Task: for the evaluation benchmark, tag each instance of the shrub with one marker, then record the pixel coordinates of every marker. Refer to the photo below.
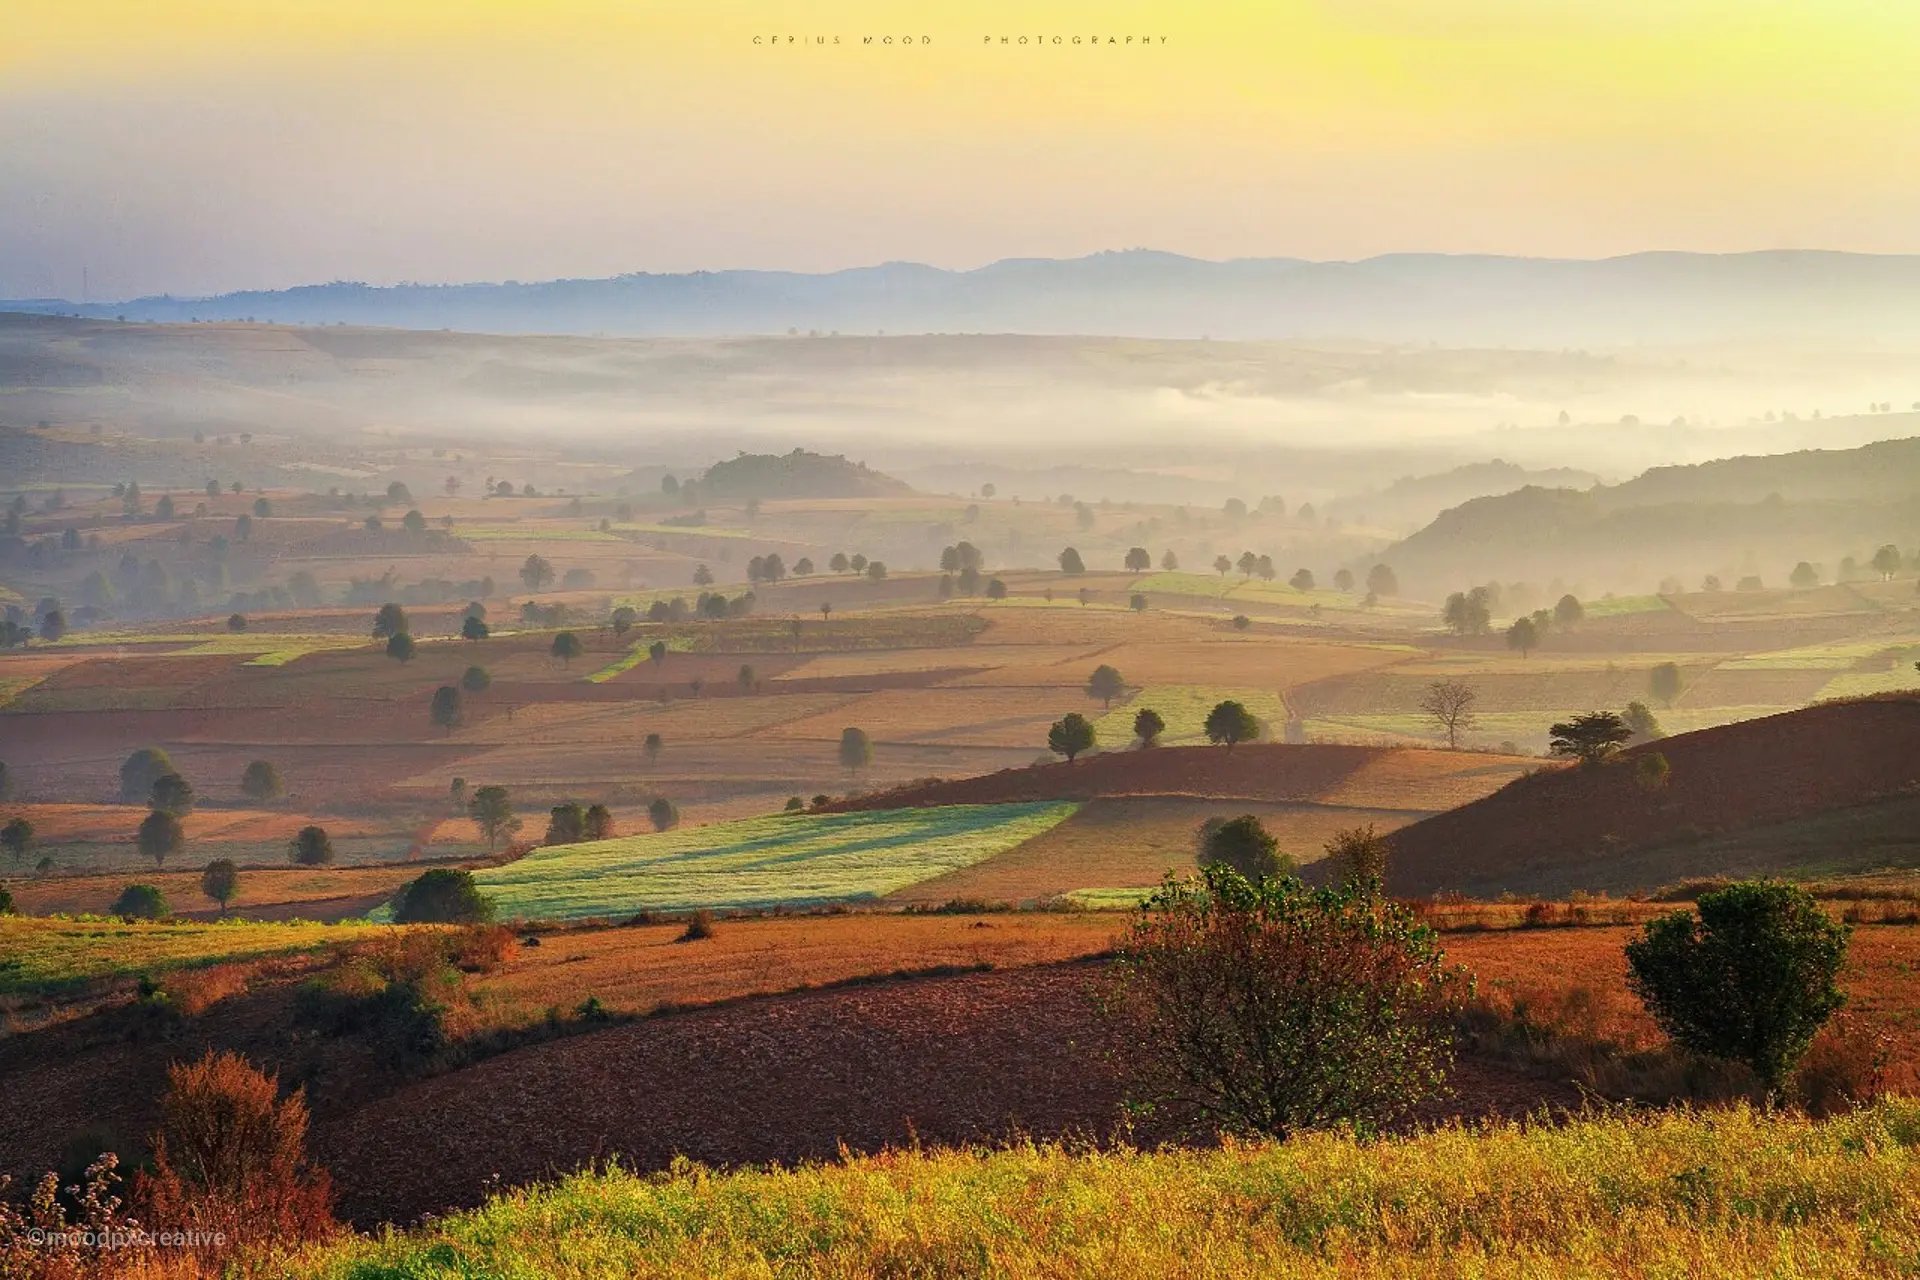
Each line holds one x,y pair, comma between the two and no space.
1359,857
1269,1008
311,847
663,814
442,896
1651,771
1243,844
1751,978
699,926
141,770
142,902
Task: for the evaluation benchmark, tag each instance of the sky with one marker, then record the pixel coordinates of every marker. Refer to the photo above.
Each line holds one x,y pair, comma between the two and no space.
200,146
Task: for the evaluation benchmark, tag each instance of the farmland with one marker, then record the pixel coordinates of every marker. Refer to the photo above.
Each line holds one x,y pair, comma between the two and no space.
46,957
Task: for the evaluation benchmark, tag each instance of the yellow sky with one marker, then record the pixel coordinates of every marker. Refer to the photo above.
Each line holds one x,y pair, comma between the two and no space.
208,144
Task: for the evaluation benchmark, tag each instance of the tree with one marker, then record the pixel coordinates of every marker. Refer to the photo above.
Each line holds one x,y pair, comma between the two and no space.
472,628
1241,622
1302,580
1070,735
1070,562
598,823
623,619
1359,856
6,782
1523,634
1105,684
260,782
1886,561
391,620
856,750
413,522
53,627
803,567
400,647
16,838
1169,561
1245,845
1664,681
838,563
1382,582
1231,723
1267,1008
1148,726
492,811
142,902
475,680
702,576
566,824
1343,580
652,747
1222,565
657,651
996,589
171,794
446,707
1247,563
1751,978
312,847
1640,720
1138,560
1804,576
566,646
536,572
443,895
236,622
1449,704
1589,738
1568,612
221,882
663,814
160,834
876,571
1468,613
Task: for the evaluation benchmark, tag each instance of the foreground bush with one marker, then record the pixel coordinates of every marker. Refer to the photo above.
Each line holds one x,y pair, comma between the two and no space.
1737,1194
442,896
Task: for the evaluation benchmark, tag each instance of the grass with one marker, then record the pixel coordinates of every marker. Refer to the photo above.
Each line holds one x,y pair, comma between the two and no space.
530,533
686,530
1123,898
638,654
45,956
762,862
1184,707
1738,1193
1617,606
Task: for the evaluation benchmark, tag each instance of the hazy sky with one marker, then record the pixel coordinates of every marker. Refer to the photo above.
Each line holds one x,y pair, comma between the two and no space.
197,146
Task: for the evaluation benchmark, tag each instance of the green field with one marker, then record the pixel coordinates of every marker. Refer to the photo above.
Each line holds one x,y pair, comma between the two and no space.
531,533
1733,1193
685,530
1618,606
1184,707
761,862
47,955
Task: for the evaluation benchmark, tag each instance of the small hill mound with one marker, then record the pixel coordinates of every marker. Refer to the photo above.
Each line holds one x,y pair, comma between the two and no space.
1568,828
799,474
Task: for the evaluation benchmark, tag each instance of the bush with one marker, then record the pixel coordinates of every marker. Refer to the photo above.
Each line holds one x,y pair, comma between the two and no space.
442,896
1651,771
312,847
663,814
1243,844
699,926
1751,978
1269,1008
142,902
1359,856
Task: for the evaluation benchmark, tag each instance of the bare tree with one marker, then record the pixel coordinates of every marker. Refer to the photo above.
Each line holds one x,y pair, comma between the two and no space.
1449,704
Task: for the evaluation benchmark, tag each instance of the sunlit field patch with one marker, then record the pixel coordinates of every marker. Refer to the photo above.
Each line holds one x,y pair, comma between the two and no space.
1184,708
45,955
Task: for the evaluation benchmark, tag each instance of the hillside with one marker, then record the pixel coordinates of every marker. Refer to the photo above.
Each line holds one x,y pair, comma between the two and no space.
1567,828
1415,500
799,474
1458,298
1730,517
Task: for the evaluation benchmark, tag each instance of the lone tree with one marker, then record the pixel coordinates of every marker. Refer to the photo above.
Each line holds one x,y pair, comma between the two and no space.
566,824
1886,561
1139,559
1229,723
390,621
657,651
566,647
1664,682
1524,635
1646,728
475,680
492,811
1589,738
1359,856
220,881
442,896
446,707
311,848
1382,582
1148,726
1449,704
623,619
1070,562
260,782
472,628
1267,1008
856,750
142,902
160,834
139,771
1245,845
663,814
17,838
1105,684
652,747
400,647
537,573
1751,978
1804,576
171,794
1568,612
1222,565
1070,735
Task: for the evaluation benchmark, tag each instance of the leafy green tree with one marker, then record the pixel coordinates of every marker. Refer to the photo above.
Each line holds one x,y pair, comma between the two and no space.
876,571
1070,735
566,824
1886,561
220,882
536,572
1137,602
856,750
443,895
446,707
1071,563
17,838
472,628
260,782
1751,977
1148,726
623,619
1804,576
1241,622
1569,612
663,814
839,562
1169,561
1641,721
160,834
1664,681
657,651
1302,580
492,811
1222,565
1343,580
1523,634
1229,723
139,770
1247,563
1244,844
746,678
996,589
1590,738
652,747
1105,684
566,647
1139,560
236,622
1358,855
1267,1008
312,847
1468,613
391,620
475,680
400,647
599,823
171,794
142,902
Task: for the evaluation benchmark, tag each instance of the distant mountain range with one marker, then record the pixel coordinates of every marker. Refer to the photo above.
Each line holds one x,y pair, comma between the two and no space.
1450,299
